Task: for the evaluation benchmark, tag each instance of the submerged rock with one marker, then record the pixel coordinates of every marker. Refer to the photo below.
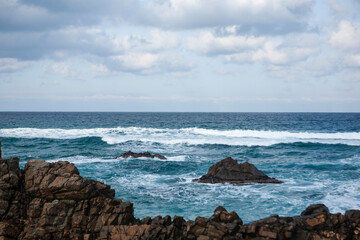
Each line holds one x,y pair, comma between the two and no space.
139,155
229,170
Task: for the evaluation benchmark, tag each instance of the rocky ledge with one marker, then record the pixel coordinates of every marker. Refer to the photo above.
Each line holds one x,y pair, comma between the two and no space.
52,201
229,170
139,155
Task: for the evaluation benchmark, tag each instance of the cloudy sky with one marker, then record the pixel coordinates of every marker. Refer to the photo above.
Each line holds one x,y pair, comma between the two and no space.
180,55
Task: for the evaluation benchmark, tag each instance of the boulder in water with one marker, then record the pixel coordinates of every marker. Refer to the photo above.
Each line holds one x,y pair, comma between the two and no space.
229,170
138,155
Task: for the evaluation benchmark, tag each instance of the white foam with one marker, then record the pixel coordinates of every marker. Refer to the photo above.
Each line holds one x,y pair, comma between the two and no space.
354,160
83,160
343,196
191,136
181,158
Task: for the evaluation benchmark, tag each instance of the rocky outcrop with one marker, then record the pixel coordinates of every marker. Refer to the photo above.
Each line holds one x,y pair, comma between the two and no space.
52,201
229,171
139,155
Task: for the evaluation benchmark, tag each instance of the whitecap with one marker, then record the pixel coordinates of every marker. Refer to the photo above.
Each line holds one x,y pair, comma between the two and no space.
188,136
83,160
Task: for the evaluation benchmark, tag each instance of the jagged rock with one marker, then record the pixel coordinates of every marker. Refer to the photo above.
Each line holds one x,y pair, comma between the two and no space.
315,209
229,171
61,180
52,201
41,203
139,155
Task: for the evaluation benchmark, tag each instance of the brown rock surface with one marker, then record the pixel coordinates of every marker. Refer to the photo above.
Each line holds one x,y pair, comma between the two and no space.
52,201
229,170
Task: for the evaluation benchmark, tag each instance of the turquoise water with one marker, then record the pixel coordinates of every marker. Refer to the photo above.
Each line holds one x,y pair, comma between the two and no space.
317,155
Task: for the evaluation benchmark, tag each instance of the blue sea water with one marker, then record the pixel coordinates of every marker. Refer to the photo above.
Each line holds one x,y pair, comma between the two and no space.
316,155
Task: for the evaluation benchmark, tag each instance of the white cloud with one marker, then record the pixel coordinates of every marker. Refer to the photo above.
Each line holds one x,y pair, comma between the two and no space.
163,40
347,36
137,61
250,49
148,63
273,53
353,60
99,69
346,40
318,66
207,43
62,69
11,64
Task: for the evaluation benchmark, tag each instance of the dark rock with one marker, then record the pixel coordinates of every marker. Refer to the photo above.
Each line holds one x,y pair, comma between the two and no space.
52,201
229,171
223,216
315,209
353,215
178,221
61,180
146,220
139,155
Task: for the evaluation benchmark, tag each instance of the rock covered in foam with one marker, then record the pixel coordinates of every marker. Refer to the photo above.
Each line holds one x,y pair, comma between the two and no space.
139,155
229,170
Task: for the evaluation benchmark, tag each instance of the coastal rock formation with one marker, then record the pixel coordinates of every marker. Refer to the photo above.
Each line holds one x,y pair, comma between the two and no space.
229,170
139,155
52,201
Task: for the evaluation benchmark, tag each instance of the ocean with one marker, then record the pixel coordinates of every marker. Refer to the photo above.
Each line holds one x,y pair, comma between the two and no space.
316,155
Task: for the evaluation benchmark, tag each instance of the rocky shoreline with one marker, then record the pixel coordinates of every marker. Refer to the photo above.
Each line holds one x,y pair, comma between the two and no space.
52,201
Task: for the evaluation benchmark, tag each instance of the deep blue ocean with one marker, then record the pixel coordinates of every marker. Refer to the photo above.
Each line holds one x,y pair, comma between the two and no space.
316,155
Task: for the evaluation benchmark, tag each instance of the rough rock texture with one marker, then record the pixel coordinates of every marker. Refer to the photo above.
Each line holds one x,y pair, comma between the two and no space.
229,171
51,201
138,155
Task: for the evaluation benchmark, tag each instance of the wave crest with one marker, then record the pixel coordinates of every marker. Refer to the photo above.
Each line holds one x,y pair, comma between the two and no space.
191,136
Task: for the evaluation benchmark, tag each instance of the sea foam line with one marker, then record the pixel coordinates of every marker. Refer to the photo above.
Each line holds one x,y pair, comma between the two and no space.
192,136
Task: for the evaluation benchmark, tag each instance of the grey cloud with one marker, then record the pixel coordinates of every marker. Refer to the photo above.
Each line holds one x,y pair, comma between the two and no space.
265,17
73,41
128,53
16,16
268,17
87,7
35,45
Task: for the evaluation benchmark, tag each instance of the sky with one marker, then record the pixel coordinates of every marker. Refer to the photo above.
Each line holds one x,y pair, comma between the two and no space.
180,55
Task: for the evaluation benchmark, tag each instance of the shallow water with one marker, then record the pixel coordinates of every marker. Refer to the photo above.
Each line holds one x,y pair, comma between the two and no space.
317,155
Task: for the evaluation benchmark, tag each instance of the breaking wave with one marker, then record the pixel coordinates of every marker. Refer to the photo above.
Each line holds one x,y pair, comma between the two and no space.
190,136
